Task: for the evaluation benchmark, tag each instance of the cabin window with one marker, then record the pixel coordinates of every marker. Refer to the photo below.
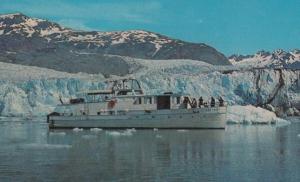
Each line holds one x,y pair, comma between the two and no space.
163,102
135,85
138,101
154,100
177,100
148,100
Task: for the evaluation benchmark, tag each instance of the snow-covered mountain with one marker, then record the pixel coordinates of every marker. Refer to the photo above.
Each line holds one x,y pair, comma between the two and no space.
31,41
263,59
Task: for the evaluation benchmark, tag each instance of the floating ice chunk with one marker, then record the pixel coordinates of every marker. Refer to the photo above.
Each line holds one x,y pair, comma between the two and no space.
298,135
282,122
182,130
57,133
96,129
251,115
158,136
131,130
77,129
127,132
155,129
113,133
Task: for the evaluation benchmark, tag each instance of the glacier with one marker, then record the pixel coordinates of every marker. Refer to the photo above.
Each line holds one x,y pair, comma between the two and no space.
32,91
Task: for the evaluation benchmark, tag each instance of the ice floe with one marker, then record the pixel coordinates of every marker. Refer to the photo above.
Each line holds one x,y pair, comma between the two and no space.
252,115
158,136
182,131
128,132
77,129
96,129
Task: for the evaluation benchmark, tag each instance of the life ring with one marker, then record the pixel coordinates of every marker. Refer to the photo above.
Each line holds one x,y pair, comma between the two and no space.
111,104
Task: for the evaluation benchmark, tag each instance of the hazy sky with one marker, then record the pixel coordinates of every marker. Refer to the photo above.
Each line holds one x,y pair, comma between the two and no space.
231,26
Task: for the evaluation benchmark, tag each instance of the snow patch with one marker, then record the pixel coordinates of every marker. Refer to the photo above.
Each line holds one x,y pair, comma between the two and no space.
157,48
10,16
32,22
118,41
52,30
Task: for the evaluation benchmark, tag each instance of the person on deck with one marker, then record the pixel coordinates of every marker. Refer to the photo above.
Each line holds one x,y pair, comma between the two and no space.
194,103
221,101
185,102
212,102
200,102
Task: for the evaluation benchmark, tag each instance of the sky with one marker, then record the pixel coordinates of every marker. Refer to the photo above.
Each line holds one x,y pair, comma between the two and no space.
231,26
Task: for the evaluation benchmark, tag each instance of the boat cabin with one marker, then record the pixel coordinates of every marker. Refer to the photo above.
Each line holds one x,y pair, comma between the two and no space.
122,96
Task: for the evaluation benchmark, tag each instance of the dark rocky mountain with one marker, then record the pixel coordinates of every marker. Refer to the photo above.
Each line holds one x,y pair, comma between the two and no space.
32,41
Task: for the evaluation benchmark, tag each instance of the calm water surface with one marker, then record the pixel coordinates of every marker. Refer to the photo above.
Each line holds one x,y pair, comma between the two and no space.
30,152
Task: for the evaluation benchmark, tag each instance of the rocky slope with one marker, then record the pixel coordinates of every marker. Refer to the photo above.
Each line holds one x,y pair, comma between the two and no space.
30,41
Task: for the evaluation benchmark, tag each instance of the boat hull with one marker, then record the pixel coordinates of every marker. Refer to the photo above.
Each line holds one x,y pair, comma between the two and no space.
198,118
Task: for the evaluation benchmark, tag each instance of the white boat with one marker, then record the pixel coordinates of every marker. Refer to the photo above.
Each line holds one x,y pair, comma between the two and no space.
124,105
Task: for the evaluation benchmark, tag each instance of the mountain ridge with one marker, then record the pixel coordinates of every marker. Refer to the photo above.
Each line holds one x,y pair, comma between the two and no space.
266,59
24,40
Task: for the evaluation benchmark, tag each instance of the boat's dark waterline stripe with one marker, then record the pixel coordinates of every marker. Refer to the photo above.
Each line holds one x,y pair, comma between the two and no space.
139,128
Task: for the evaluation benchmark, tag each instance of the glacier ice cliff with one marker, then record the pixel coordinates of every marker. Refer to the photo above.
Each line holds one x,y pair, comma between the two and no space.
38,96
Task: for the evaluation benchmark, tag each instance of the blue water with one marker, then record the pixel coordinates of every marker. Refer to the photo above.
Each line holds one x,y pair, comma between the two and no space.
29,152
